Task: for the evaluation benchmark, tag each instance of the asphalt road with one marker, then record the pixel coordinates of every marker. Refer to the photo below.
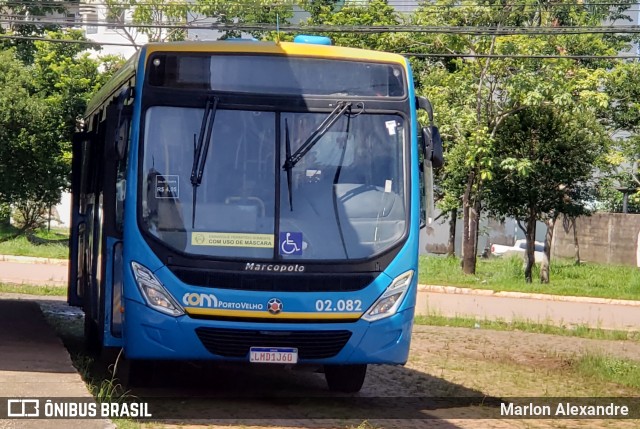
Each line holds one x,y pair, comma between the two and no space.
510,306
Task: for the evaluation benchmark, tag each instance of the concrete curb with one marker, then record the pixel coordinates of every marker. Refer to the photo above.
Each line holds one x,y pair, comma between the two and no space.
33,260
540,296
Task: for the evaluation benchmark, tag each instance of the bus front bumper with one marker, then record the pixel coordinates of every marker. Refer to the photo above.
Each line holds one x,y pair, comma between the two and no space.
149,334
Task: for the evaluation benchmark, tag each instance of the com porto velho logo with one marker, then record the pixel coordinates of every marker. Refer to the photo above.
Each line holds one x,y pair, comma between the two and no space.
209,300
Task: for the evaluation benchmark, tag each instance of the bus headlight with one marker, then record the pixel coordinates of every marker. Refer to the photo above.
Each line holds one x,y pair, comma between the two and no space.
390,300
154,293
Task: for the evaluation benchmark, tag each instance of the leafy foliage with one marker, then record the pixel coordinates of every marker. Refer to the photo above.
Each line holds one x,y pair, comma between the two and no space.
373,13
475,98
32,165
21,10
159,13
544,162
39,107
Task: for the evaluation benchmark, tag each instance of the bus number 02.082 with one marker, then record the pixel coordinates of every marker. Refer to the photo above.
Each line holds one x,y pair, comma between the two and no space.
339,305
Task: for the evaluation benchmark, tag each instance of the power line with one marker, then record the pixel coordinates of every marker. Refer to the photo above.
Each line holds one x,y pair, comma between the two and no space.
518,56
372,29
56,4
400,28
406,54
83,42
415,5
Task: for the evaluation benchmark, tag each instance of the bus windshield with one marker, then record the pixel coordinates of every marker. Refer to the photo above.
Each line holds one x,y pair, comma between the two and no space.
344,199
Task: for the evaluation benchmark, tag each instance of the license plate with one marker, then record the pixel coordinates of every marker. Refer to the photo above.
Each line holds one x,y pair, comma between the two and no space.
273,355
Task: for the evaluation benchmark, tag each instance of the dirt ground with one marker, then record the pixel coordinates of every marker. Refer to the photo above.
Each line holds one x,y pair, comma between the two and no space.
445,364
455,378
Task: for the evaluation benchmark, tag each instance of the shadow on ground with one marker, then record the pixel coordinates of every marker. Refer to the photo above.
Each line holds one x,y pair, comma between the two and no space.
233,394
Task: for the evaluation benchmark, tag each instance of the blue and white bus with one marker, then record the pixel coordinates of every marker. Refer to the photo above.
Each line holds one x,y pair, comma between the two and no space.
252,201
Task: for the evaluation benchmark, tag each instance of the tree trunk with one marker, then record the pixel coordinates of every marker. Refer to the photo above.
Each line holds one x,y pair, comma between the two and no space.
477,208
468,236
546,259
5,215
576,245
530,235
451,246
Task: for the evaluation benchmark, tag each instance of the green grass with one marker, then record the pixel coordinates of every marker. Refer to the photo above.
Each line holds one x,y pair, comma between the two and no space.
507,274
99,379
21,246
526,326
34,290
609,369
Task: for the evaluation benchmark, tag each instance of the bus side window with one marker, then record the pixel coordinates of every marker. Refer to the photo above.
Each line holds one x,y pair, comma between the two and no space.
123,135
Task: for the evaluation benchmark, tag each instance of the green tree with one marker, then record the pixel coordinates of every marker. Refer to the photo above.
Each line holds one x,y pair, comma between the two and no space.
371,13
32,163
66,77
178,13
481,93
544,160
24,15
154,13
622,119
40,105
245,12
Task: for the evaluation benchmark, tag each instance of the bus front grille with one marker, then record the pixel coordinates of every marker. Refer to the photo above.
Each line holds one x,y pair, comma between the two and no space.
236,342
308,282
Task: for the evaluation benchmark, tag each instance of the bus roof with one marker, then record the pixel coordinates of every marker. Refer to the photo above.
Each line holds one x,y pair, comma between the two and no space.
282,48
109,90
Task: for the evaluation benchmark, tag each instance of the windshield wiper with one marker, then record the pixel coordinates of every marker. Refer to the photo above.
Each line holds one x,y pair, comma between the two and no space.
201,150
316,135
287,142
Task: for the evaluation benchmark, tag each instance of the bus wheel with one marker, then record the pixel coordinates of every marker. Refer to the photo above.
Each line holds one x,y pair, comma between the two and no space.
345,378
134,372
92,338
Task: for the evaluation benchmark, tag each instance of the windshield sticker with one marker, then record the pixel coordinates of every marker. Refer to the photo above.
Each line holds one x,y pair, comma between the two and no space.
291,243
387,185
229,239
391,127
168,186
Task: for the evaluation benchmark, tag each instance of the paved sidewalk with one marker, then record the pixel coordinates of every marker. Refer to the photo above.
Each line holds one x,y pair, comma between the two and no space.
35,363
33,273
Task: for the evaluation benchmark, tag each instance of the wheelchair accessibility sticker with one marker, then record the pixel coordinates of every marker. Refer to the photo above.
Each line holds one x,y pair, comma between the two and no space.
291,243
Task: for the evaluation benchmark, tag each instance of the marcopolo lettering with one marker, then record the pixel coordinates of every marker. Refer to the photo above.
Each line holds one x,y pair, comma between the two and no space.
278,268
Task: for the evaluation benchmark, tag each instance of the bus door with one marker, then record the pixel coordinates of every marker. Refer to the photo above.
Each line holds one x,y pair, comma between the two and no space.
96,240
82,201
86,222
114,183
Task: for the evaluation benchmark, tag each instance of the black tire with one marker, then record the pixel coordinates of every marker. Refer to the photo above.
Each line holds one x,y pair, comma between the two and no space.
134,372
92,337
345,378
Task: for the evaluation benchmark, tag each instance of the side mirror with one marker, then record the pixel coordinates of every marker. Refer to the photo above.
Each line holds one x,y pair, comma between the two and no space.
122,128
424,104
121,146
432,146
